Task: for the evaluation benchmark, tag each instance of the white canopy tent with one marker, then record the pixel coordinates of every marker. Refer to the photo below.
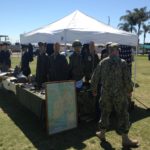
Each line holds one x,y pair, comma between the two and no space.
78,26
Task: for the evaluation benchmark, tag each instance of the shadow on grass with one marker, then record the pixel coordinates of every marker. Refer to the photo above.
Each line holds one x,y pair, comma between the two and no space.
106,145
31,127
138,113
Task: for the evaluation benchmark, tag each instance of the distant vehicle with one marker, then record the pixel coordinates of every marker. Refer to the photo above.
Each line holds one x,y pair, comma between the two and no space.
139,51
15,47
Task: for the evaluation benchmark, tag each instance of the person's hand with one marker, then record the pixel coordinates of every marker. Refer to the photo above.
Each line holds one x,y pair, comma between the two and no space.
94,93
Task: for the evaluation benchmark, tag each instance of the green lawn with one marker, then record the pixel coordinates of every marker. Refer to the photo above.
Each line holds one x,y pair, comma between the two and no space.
21,130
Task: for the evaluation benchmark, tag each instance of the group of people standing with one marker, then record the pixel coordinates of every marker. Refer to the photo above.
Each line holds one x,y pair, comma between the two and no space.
109,76
57,67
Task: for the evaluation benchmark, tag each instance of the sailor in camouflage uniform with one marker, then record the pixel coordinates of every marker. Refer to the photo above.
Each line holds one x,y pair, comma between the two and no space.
112,72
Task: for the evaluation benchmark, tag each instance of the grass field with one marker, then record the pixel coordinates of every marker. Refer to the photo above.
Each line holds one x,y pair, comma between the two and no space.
21,130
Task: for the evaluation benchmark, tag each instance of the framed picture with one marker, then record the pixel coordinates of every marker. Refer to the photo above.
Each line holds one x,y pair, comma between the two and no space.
61,106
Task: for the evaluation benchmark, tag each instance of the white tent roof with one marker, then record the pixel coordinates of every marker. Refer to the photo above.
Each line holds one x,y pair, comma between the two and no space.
79,26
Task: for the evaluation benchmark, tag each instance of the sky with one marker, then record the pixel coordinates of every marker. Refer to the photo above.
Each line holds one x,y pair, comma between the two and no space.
20,16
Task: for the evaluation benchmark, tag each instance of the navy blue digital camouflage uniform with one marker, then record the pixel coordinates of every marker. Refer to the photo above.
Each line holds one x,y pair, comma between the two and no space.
113,74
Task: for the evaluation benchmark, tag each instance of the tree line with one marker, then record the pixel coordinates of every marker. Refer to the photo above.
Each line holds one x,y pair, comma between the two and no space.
136,21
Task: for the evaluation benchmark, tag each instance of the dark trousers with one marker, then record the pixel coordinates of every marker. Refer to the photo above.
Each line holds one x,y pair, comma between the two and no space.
97,103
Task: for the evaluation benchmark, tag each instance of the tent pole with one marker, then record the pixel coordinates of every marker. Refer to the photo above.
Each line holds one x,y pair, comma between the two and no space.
135,70
65,32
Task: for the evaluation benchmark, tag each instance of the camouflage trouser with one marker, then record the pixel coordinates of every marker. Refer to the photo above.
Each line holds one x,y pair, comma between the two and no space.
120,104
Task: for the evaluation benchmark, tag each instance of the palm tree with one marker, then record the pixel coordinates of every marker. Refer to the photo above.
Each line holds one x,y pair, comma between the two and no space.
146,29
126,27
141,15
130,19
